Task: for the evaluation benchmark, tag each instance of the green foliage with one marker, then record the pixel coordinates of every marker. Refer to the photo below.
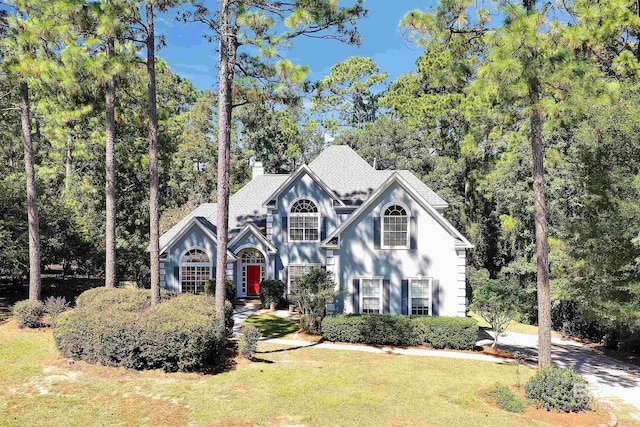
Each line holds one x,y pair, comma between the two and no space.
272,292
506,399
459,333
347,90
28,313
120,299
436,332
55,306
248,341
559,389
178,335
497,302
315,290
229,290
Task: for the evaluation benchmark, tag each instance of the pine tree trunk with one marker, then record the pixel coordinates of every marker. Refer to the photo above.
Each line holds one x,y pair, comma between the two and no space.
68,166
227,56
110,186
32,202
154,226
542,246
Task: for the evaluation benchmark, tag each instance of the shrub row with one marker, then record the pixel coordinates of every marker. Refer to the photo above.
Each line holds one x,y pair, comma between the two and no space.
29,313
437,332
181,334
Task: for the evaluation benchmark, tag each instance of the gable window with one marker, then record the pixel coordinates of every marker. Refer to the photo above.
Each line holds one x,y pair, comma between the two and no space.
304,221
371,295
395,227
420,296
195,271
296,272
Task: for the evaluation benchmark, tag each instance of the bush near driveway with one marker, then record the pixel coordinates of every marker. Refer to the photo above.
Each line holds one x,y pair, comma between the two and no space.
178,335
437,332
458,333
560,389
28,313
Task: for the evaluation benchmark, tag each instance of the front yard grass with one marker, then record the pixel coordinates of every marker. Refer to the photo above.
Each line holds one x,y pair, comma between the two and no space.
271,326
285,386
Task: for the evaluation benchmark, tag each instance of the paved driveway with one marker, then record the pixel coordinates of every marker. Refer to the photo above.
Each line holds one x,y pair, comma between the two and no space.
608,377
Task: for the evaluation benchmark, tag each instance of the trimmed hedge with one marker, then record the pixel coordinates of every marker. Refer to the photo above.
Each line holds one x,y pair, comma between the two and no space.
383,329
178,335
123,299
28,313
459,333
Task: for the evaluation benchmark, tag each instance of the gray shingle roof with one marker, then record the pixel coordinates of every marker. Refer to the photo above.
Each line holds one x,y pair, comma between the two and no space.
353,179
341,168
244,206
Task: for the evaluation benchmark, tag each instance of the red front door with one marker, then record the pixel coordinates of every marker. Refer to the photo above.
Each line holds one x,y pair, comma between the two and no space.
253,279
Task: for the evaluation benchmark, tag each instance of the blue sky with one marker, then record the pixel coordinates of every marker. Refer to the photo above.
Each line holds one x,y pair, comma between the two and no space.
189,55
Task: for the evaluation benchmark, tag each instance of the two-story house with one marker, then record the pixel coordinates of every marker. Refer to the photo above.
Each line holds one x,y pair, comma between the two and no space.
380,232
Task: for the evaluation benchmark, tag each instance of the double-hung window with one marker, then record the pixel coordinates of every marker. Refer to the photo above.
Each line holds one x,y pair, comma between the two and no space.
304,221
420,296
371,295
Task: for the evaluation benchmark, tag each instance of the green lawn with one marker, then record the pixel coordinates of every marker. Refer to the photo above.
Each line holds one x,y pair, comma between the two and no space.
284,386
514,326
272,326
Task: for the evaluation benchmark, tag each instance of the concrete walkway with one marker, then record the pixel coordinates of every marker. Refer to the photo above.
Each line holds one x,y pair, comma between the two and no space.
607,377
240,313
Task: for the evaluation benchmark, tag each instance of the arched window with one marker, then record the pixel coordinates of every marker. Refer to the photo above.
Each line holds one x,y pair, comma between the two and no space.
395,227
304,221
195,270
252,256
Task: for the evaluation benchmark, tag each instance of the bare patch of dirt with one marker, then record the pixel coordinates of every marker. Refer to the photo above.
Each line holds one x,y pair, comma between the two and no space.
570,419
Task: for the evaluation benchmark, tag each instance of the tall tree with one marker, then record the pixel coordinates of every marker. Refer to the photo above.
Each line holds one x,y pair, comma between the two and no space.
35,284
154,222
110,187
348,91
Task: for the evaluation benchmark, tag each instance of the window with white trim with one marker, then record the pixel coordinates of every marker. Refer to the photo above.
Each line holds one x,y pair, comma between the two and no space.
395,227
304,221
371,295
420,296
195,271
296,272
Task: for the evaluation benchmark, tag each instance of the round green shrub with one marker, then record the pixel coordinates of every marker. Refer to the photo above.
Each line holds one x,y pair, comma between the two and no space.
249,341
272,291
180,334
559,389
28,313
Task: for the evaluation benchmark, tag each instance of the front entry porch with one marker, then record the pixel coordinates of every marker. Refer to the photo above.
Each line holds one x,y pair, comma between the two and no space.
252,270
